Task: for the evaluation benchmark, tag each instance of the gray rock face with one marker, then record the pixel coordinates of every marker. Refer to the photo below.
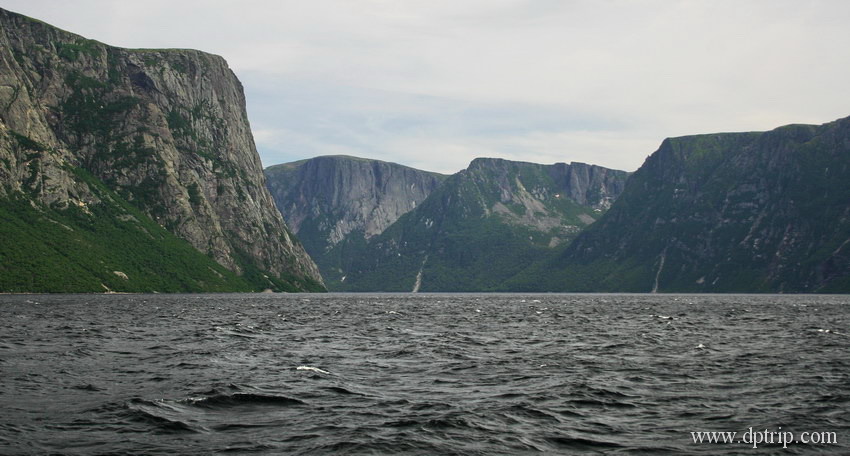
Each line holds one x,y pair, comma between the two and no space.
589,185
586,185
165,129
335,199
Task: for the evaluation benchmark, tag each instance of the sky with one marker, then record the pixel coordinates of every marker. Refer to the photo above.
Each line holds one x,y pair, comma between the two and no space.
435,83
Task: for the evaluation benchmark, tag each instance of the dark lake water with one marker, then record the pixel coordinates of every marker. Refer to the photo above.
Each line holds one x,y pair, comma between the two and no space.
469,374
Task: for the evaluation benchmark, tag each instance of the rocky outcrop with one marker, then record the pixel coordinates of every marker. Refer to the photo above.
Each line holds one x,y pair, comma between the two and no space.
589,186
166,130
334,201
742,212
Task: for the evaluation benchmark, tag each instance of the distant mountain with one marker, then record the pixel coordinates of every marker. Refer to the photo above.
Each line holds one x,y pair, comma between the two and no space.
131,170
740,212
482,226
336,204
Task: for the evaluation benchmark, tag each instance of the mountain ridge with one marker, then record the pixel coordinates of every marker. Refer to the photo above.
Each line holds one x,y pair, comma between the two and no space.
727,212
487,202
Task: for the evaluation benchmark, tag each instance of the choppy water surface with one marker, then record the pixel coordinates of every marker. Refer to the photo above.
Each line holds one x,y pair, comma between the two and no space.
419,374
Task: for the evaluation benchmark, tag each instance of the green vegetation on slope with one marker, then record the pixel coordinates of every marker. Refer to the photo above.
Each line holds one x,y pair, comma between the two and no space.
480,228
469,255
743,212
92,248
285,282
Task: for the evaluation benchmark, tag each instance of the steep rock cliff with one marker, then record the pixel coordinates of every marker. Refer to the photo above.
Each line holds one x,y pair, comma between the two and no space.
336,203
483,225
741,212
165,130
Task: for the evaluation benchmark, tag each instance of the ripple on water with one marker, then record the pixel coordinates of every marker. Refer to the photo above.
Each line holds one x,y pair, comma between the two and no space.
417,374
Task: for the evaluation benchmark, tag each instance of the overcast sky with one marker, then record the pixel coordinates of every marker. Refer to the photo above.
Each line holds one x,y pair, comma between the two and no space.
435,83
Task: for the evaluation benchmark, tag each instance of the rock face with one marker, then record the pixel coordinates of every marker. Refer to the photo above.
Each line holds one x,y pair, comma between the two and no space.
165,130
482,226
746,212
334,203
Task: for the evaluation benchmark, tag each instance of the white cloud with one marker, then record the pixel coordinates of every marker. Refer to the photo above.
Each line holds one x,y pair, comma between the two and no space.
433,83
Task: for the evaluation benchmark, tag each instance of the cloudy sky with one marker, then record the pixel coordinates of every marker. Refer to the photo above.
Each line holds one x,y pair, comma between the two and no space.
435,83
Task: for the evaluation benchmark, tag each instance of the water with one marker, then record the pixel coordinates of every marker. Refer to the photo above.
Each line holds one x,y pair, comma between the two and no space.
419,374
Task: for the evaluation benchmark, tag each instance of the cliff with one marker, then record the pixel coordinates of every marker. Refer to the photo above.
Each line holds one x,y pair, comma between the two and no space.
164,130
482,226
738,212
336,203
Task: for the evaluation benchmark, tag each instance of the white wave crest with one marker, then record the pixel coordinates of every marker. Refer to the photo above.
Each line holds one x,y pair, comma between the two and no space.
311,368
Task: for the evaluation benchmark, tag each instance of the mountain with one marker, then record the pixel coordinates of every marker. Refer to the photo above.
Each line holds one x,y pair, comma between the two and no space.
134,155
335,204
739,212
482,226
